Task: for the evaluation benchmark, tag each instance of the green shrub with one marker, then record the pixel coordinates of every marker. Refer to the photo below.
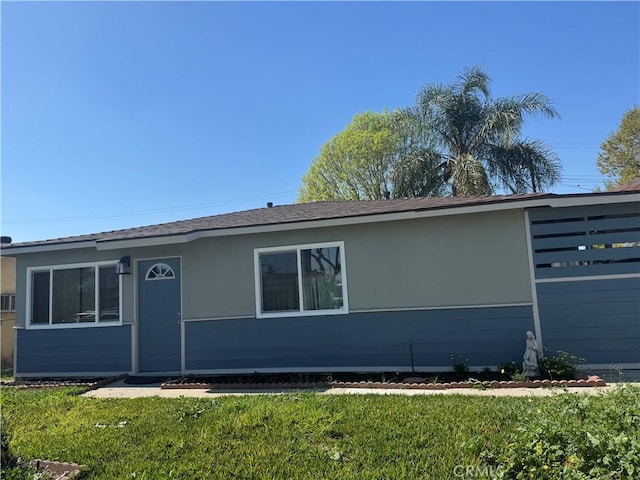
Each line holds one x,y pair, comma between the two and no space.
560,366
461,366
511,368
575,437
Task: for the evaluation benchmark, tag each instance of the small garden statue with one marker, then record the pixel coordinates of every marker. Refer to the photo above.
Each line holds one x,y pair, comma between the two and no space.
530,364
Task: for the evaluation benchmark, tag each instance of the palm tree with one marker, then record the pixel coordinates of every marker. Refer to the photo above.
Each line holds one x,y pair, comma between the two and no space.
478,145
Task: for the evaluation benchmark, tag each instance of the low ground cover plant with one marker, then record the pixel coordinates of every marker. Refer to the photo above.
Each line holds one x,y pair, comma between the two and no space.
574,437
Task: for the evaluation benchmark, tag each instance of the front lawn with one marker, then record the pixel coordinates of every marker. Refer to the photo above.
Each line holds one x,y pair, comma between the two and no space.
307,435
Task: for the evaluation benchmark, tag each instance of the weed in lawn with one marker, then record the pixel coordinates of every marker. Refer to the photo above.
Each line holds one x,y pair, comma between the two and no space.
480,386
519,377
433,380
575,437
193,408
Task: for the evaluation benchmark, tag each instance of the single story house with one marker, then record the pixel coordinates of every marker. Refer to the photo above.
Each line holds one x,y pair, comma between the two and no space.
413,284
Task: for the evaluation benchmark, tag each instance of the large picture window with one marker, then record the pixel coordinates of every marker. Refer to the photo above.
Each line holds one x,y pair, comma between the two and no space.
308,280
72,295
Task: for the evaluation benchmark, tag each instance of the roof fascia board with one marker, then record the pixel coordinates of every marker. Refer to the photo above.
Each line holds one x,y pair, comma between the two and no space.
47,248
554,202
382,217
146,242
593,200
334,222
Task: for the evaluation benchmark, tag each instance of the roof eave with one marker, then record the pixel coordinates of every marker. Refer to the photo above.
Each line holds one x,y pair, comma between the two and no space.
549,200
19,250
333,222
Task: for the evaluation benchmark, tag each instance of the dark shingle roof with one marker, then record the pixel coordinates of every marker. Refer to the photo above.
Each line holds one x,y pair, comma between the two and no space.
295,213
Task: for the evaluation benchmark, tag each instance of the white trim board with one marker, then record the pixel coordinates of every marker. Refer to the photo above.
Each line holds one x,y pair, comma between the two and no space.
63,326
532,279
373,310
69,374
213,319
586,278
441,307
157,374
48,247
609,366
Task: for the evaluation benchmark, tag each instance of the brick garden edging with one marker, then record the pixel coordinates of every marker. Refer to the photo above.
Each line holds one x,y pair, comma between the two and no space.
40,383
245,386
590,381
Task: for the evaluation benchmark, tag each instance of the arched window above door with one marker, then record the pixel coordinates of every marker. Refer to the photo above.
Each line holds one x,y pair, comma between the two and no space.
160,271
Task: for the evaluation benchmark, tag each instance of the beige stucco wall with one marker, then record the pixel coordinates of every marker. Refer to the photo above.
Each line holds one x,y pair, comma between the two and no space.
7,319
7,275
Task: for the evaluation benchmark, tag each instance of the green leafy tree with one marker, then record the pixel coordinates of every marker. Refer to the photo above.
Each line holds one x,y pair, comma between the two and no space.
478,145
358,163
619,157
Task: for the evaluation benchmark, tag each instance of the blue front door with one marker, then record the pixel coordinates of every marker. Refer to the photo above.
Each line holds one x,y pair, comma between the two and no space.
159,315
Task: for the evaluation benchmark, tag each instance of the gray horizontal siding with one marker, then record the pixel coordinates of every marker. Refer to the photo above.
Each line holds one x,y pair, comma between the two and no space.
568,242
479,336
546,213
74,350
595,319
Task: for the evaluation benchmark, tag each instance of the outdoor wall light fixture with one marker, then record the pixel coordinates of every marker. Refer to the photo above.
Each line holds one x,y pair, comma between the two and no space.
123,267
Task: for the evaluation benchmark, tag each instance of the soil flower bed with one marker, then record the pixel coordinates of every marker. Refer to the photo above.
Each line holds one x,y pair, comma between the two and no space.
441,381
90,383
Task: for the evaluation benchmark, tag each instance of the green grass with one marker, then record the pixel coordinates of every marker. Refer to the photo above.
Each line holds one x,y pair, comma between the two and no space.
575,438
302,436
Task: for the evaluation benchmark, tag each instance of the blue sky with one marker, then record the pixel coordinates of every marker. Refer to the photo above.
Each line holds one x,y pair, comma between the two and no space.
119,114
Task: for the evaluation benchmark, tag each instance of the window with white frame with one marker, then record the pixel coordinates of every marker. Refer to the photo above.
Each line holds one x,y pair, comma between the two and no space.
8,302
87,294
160,271
307,280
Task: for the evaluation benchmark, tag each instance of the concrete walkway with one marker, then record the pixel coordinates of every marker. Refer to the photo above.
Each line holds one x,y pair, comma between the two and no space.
123,390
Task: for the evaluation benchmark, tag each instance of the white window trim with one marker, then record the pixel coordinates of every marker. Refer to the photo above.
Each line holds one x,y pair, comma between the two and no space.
159,264
299,313
51,269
